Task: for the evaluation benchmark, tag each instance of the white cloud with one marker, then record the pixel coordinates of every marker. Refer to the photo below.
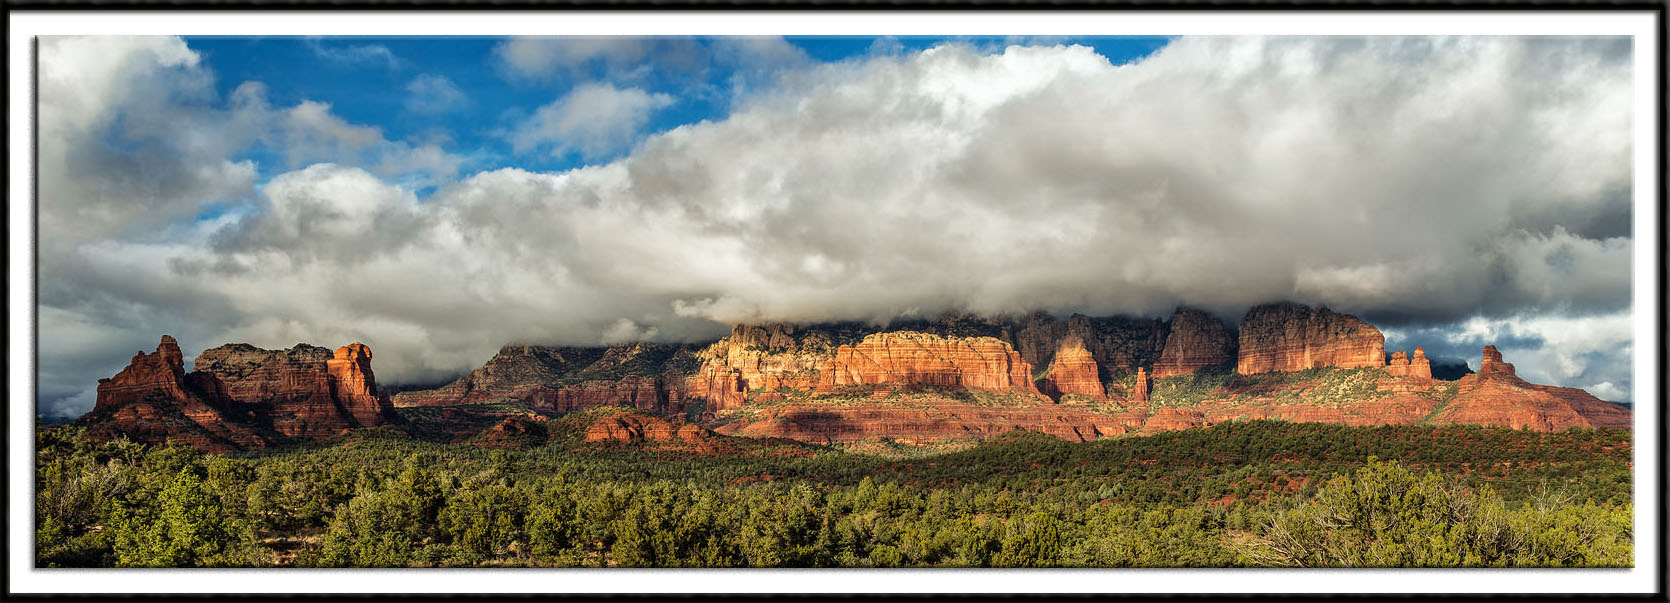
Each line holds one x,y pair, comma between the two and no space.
430,94
592,119
1405,177
356,55
545,57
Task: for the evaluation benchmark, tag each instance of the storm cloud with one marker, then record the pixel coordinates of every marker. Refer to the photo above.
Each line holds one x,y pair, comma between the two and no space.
1453,189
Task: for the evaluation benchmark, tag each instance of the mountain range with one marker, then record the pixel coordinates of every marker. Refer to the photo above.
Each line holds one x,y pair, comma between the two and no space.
959,378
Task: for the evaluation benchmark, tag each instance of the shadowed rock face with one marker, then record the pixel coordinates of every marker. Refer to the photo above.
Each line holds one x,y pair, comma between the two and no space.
1293,337
1198,340
154,400
646,376
240,397
1116,343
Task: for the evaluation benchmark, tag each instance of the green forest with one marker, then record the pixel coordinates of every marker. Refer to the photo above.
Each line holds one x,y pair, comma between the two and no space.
1258,493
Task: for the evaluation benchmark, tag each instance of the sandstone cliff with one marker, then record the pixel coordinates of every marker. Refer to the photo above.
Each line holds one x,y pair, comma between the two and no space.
909,358
1073,371
305,391
1197,340
1293,337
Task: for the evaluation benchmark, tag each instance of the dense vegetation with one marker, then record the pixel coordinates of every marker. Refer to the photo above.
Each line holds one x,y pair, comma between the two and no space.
1241,494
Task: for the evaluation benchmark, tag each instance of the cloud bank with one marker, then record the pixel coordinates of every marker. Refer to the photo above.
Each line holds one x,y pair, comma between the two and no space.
1418,182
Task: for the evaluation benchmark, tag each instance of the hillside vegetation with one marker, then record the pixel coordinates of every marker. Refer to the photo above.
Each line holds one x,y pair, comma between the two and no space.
1245,494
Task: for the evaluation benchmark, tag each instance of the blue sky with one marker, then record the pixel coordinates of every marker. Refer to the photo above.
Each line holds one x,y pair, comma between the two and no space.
368,81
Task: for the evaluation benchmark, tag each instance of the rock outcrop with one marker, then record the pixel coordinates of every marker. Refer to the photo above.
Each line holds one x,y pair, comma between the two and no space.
305,391
1401,365
920,359
759,358
1172,419
1496,396
1197,340
646,376
1293,337
1073,371
1139,393
240,396
153,400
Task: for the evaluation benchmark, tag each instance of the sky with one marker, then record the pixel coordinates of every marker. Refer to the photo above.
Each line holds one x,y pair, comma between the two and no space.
438,198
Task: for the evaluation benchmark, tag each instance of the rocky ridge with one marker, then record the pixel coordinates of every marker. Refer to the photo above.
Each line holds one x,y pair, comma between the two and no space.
957,378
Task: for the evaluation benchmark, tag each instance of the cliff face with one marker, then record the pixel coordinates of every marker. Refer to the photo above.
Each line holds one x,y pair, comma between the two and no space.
848,382
1197,340
1116,343
1073,371
305,391
909,358
759,358
1293,337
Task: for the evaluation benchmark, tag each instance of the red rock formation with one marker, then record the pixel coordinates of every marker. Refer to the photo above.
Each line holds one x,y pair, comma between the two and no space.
632,428
154,400
1292,337
158,374
1197,340
907,358
1073,371
1492,363
512,432
1171,419
560,380
648,394
1139,395
1496,396
304,392
1400,365
758,358
355,387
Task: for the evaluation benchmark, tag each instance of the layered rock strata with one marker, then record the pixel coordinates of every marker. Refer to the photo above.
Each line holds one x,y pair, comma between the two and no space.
1293,337
1197,340
305,391
920,359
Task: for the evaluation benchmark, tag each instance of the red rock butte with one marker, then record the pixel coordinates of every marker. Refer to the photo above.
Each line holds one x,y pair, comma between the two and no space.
1293,337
